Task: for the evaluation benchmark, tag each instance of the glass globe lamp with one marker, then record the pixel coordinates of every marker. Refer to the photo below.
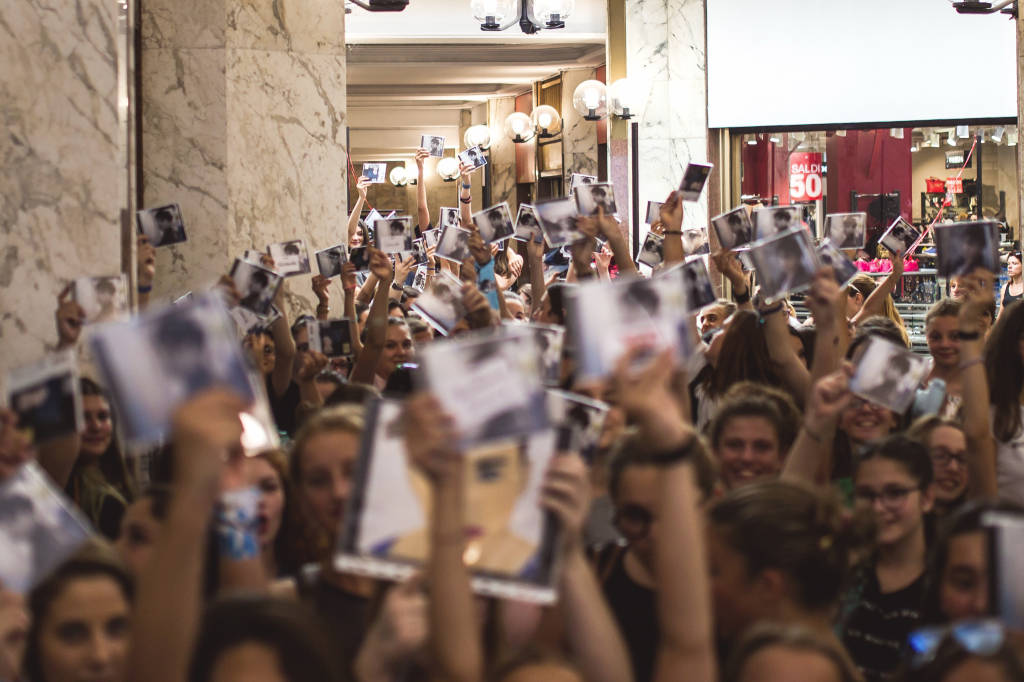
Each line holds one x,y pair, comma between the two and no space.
590,99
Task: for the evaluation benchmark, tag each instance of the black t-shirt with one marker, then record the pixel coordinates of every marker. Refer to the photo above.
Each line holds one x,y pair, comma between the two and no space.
283,407
633,606
345,614
875,627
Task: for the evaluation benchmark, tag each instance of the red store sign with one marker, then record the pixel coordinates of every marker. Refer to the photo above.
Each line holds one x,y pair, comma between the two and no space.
805,176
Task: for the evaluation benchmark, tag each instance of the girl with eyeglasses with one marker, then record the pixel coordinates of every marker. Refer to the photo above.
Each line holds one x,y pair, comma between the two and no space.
893,481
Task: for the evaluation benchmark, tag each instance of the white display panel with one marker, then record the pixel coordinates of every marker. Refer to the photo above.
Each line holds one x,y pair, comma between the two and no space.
793,62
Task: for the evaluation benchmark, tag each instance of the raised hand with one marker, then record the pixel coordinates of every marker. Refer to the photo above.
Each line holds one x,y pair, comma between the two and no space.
728,263
896,258
603,259
403,268
362,185
824,297
566,493
380,265
465,171
478,308
320,285
311,364
421,156
227,286
398,634
671,212
70,318
147,261
430,436
348,276
15,445
206,432
829,397
477,247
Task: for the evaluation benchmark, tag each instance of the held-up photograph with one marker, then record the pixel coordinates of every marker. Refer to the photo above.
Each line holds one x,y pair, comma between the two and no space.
162,225
734,228
495,223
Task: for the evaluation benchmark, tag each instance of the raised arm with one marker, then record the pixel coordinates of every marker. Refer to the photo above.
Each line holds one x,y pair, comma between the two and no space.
672,219
612,231
728,263
456,645
353,218
169,598
981,443
284,347
827,303
791,368
686,646
874,304
422,209
465,195
535,258
810,458
377,322
592,633
348,283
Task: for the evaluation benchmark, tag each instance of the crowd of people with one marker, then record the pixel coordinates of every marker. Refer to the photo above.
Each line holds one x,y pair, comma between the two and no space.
744,515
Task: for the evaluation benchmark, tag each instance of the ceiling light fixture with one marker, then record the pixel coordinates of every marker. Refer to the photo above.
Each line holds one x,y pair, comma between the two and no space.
478,136
519,127
531,15
546,121
775,138
448,168
590,99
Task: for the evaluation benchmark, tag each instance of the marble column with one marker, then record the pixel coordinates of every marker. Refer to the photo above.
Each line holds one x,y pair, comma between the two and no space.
579,137
665,40
62,169
244,126
503,152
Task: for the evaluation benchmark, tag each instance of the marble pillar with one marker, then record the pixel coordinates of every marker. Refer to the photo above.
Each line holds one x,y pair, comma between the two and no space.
579,137
503,153
244,126
665,42
62,172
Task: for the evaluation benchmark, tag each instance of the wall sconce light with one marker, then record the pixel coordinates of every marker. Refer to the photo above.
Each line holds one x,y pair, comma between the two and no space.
553,12
997,134
624,98
590,99
398,177
775,138
546,121
519,127
448,168
478,136
495,15
752,140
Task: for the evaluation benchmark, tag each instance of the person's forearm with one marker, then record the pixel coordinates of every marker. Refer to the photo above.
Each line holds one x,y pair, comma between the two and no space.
465,202
810,458
168,601
874,304
353,218
376,332
57,458
284,349
593,635
620,249
793,370
686,648
672,248
422,209
830,341
981,463
741,293
367,290
455,640
350,314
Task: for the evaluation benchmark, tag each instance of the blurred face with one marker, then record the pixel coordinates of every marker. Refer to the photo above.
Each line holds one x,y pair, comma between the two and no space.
942,341
976,669
301,337
712,318
259,473
864,422
963,591
956,288
422,337
495,477
854,302
99,427
948,448
780,663
84,635
139,532
1013,268
263,352
544,313
888,490
748,450
516,310
325,479
635,503
398,348
357,237
248,662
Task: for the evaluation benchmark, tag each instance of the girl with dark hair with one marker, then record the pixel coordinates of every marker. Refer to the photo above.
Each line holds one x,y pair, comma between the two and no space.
268,472
1004,365
893,480
1013,290
81,620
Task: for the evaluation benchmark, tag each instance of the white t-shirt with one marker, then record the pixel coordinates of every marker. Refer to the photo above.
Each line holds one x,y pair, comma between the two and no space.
1010,467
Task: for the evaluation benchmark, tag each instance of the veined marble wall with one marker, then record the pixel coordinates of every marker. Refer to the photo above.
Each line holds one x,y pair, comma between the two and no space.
579,137
244,126
503,153
61,173
665,42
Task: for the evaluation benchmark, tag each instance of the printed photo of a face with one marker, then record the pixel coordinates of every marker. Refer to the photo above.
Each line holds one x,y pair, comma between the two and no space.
557,219
256,285
549,339
887,374
527,228
162,225
653,212
433,144
694,178
695,242
847,230
290,258
394,235
773,220
495,223
900,236
359,257
583,416
589,198
103,299
441,304
843,268
966,247
652,253
335,338
473,157
375,172
734,228
784,264
577,180
454,244
47,409
329,261
697,285
449,217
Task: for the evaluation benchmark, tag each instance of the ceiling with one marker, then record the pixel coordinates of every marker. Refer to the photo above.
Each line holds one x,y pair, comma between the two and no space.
413,72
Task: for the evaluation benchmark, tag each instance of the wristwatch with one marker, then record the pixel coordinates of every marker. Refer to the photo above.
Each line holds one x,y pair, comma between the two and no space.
397,287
